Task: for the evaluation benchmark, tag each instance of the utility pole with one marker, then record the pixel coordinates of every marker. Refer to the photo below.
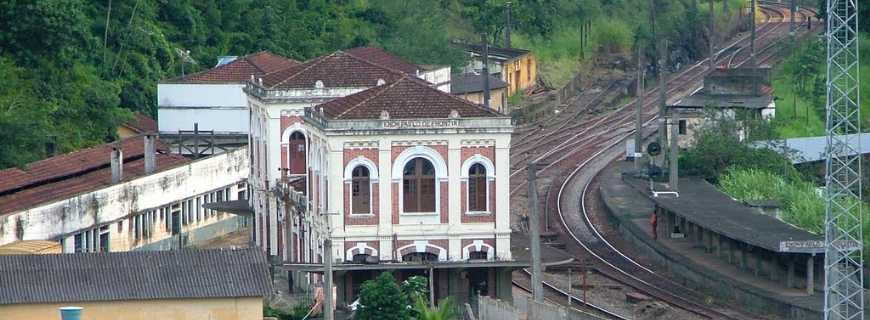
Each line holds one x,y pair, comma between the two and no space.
508,26
485,70
791,10
712,36
675,124
327,278
534,233
663,96
753,64
637,115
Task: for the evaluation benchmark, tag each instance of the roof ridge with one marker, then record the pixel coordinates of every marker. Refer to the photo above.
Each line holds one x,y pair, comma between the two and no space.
374,63
217,68
378,64
314,62
247,58
377,94
479,106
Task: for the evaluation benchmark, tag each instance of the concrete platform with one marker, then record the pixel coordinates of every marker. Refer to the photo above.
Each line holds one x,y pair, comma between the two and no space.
630,211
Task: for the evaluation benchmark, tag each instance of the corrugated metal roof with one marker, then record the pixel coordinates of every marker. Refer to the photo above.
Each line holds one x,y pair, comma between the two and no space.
811,149
135,275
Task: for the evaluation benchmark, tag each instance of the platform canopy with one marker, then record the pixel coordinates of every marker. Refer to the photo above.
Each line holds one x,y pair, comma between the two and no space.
700,203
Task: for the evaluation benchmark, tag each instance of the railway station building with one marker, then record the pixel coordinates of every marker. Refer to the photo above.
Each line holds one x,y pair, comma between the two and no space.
727,94
399,175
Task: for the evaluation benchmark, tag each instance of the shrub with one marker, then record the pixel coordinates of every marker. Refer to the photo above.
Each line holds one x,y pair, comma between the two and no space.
382,299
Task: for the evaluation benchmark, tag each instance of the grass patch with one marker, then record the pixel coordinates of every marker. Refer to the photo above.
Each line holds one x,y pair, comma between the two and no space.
801,114
801,201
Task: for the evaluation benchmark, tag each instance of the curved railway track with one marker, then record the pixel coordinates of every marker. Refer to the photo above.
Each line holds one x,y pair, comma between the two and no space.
576,145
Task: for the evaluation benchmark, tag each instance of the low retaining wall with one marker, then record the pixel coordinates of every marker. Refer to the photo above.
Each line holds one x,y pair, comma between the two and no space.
199,235
693,275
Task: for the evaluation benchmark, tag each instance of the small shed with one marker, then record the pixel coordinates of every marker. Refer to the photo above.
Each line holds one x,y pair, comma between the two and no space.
179,285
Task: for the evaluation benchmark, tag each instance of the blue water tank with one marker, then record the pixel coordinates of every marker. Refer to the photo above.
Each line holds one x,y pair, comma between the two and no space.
71,313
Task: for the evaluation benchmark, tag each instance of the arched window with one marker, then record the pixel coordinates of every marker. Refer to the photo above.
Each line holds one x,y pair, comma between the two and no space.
418,186
477,188
360,190
296,150
419,257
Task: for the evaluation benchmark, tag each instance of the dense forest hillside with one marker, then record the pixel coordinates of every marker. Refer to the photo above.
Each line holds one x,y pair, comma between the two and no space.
72,70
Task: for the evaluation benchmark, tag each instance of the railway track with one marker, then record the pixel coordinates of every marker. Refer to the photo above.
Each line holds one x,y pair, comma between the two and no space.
555,294
574,146
551,145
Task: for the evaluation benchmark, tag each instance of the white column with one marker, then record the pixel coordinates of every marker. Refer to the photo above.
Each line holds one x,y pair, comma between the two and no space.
454,165
502,198
385,188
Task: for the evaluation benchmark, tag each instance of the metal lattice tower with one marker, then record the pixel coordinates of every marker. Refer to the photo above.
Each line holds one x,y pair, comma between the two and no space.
844,298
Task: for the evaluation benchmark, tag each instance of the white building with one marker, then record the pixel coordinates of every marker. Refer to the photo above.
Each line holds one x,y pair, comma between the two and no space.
128,195
727,94
402,171
213,98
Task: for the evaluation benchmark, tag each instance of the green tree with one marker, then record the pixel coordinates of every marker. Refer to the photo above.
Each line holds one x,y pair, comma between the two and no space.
446,310
24,119
382,299
719,146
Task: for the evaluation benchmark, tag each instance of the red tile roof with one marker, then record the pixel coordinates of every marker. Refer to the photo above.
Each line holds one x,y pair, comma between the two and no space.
406,98
241,69
384,58
336,70
69,174
141,123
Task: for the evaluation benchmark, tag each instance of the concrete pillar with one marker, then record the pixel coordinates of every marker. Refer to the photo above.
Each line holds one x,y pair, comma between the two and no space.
731,248
744,255
708,241
684,227
668,229
719,245
773,266
504,285
789,277
759,262
810,275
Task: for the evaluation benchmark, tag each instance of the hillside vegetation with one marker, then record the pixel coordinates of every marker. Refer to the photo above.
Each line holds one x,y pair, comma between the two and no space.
72,70
799,85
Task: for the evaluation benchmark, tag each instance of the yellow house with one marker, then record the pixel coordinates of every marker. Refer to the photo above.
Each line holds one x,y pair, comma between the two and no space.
137,285
469,86
517,67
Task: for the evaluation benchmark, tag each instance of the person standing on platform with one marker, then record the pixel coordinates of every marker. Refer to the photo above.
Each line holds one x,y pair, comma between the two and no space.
654,222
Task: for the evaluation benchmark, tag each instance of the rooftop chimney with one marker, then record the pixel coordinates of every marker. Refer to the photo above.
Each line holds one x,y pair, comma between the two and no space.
117,164
50,147
150,154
